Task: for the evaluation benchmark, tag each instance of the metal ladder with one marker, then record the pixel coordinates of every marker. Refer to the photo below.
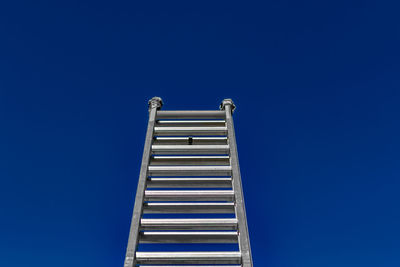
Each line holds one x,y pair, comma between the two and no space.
193,150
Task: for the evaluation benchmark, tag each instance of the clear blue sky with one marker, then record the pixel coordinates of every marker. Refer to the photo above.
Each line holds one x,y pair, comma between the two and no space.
316,85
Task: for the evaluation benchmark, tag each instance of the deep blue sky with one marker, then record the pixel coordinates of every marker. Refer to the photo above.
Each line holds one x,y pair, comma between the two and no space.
316,84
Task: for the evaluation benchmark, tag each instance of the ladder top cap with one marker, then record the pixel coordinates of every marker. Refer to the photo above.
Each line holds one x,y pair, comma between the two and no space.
155,102
225,102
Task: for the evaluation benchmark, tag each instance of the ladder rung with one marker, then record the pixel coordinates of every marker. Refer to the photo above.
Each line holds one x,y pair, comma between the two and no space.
190,266
189,160
189,170
193,123
231,257
195,131
195,140
190,114
189,195
188,237
189,207
190,149
189,182
189,224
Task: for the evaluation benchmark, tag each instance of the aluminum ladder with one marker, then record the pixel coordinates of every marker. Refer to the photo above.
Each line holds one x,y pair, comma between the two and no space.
189,166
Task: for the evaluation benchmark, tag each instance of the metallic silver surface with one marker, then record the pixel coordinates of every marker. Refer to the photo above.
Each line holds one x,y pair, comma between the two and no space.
190,149
188,224
192,131
154,104
190,266
189,160
189,208
231,257
188,123
244,241
183,237
196,140
189,182
189,195
190,114
189,170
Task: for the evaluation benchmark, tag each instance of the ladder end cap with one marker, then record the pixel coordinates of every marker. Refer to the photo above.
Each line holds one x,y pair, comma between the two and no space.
155,102
225,102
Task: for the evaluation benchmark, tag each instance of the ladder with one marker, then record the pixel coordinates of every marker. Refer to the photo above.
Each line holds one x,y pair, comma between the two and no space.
189,167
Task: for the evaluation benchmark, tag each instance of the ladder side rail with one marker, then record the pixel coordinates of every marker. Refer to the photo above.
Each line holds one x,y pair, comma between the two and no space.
244,240
130,257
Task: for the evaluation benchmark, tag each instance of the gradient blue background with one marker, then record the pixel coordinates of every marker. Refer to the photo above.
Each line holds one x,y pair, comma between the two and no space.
316,84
